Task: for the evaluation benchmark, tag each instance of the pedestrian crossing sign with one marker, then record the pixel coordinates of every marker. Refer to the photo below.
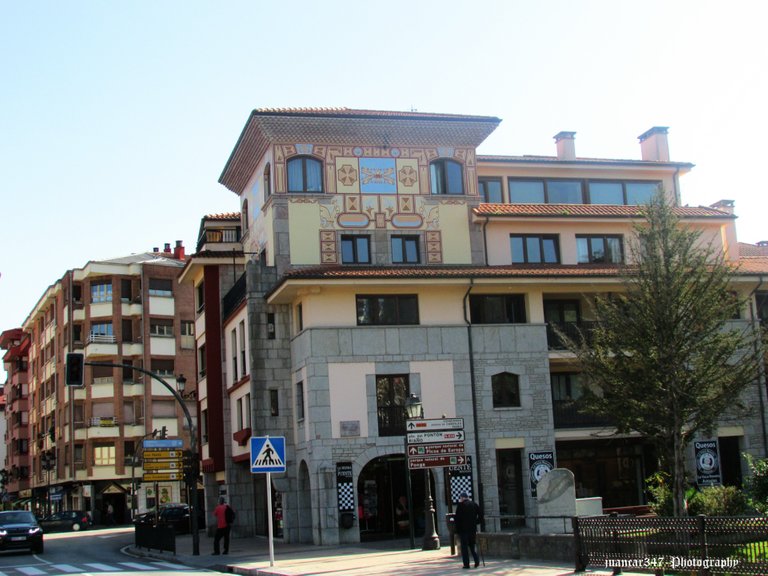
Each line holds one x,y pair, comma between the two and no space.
267,454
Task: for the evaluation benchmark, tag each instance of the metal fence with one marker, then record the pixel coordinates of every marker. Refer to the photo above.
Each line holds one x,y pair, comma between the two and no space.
702,545
155,537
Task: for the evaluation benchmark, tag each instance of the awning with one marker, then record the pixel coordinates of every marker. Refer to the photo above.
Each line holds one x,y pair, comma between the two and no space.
113,488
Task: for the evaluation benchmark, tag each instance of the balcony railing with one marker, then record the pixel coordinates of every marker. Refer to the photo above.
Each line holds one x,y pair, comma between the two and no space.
569,329
392,420
234,297
570,414
101,339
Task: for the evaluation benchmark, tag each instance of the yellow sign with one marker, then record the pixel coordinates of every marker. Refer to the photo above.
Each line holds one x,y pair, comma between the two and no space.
161,476
161,454
163,465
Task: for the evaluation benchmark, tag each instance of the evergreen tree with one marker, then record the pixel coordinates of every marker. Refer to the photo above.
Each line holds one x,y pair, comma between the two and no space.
663,359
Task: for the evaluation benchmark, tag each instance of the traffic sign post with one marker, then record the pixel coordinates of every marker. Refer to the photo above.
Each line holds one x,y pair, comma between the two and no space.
419,462
267,456
429,437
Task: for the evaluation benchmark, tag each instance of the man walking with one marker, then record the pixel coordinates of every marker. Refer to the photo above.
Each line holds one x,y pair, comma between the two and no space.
468,516
223,514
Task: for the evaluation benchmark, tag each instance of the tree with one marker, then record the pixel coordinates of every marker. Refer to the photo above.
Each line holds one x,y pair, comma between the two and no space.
663,359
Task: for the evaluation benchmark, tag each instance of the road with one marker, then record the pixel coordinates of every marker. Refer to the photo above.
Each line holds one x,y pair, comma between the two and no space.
96,552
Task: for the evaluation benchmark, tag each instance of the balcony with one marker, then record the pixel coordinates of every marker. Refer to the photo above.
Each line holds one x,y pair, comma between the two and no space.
568,415
218,236
569,329
234,297
101,339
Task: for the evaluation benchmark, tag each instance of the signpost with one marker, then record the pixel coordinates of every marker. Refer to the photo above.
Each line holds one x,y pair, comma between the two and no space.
419,462
267,456
427,437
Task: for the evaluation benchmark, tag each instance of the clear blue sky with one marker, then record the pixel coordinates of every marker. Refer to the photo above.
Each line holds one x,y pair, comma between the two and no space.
131,109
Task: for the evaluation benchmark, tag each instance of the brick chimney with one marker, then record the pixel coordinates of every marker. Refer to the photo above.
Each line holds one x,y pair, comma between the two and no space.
178,251
654,146
724,205
167,249
566,147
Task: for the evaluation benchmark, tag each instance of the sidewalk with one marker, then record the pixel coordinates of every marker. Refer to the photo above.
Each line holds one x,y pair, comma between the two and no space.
250,556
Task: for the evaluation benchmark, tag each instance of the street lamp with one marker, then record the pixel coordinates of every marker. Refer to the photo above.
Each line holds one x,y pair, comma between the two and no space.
431,541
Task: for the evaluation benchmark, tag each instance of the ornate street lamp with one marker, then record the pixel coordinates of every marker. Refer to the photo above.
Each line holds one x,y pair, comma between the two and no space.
431,541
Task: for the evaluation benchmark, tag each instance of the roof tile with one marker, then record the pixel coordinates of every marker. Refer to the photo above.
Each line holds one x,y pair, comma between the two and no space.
590,210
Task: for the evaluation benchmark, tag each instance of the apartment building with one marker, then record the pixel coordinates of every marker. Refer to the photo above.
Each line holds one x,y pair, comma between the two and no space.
14,475
85,443
384,257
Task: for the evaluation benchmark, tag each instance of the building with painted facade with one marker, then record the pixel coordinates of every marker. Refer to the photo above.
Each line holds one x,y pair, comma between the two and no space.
382,257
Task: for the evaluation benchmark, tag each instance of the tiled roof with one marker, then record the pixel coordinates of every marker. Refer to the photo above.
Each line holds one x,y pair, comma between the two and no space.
753,265
533,159
347,127
223,216
752,250
590,210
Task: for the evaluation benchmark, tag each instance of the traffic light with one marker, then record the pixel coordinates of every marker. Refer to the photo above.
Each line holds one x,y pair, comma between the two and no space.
164,432
75,369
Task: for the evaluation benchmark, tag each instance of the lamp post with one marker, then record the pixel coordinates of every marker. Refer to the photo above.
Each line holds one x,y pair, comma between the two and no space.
192,442
431,541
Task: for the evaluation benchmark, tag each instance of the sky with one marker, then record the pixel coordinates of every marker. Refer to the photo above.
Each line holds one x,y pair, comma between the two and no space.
117,118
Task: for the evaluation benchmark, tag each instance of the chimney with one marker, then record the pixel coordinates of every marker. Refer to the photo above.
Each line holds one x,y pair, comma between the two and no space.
155,250
763,243
167,249
724,205
653,144
566,147
178,251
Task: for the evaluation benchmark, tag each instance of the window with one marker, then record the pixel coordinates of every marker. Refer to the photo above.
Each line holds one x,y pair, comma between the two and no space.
387,310
305,174
239,414
163,408
271,326
101,292
591,249
300,317
526,192
160,287
534,249
201,360
187,328
161,327
247,408
447,177
244,216
267,182
204,425
125,290
606,193
162,367
554,191
102,329
506,390
233,347
103,455
300,401
405,249
391,394
274,403
243,370
641,192
497,309
200,297
355,250
566,386
490,190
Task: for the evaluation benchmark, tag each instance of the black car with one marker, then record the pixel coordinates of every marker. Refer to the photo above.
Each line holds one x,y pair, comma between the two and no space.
175,515
19,530
66,520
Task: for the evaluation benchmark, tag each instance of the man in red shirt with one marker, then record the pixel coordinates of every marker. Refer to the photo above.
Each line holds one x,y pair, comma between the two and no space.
222,526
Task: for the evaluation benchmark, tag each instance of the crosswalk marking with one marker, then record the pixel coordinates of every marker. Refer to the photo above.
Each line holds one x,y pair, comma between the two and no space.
30,570
171,565
136,566
66,568
103,567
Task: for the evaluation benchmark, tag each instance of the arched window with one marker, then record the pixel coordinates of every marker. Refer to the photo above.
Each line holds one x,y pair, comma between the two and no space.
506,390
447,177
305,174
267,182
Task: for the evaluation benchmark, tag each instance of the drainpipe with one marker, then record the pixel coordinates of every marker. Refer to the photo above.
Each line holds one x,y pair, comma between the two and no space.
485,251
761,366
473,386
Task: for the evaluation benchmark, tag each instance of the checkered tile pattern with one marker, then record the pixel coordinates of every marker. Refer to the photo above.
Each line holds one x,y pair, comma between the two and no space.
346,493
460,483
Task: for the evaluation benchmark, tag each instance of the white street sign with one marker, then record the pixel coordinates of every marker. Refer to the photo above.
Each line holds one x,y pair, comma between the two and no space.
420,425
426,437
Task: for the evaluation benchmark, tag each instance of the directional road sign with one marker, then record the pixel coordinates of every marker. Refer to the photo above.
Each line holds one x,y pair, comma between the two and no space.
426,437
166,443
163,465
418,462
436,449
162,454
267,454
161,476
434,424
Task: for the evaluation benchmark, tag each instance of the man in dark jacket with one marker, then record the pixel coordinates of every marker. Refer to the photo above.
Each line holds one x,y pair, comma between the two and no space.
468,516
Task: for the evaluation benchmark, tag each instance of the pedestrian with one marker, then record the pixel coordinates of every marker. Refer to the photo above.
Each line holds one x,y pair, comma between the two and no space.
468,516
110,515
225,516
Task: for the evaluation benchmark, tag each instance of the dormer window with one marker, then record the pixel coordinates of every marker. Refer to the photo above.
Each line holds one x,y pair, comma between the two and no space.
305,174
447,177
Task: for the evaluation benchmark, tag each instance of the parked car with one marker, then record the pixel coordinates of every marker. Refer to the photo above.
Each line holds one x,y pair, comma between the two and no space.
66,520
18,530
175,515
